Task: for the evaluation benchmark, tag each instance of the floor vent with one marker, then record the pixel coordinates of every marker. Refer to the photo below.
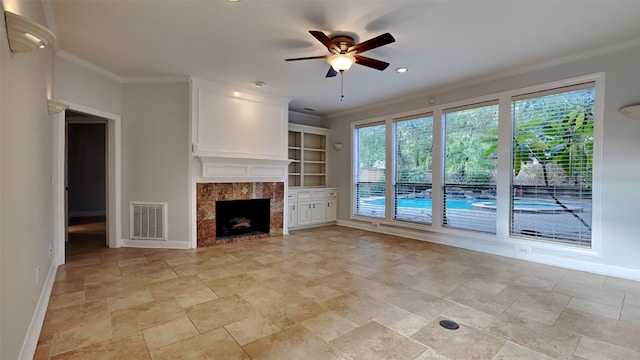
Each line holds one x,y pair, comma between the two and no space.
148,221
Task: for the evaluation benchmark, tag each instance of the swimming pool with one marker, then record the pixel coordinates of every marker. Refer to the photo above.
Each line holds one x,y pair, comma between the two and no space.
522,205
418,203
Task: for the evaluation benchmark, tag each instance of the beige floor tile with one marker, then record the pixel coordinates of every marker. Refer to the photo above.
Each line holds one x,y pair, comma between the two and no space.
401,321
487,285
628,287
329,325
129,299
220,312
289,297
295,342
290,310
611,312
195,297
616,332
375,341
169,333
251,329
359,309
63,300
89,333
468,316
630,312
511,351
143,316
129,347
599,350
461,343
422,304
176,286
590,293
481,300
555,342
214,344
73,317
319,293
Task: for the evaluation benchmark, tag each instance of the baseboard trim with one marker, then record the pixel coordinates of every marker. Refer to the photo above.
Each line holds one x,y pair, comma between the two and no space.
156,244
30,343
497,247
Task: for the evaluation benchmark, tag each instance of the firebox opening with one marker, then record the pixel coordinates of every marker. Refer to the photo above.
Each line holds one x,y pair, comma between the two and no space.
240,218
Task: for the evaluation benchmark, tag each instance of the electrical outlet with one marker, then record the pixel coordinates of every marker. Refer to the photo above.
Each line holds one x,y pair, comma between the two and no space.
524,250
50,250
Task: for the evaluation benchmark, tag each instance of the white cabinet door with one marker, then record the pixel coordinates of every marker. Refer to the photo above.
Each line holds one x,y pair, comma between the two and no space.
318,212
332,210
304,212
293,215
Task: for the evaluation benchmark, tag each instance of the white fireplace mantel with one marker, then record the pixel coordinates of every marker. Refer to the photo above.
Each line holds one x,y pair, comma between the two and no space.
236,169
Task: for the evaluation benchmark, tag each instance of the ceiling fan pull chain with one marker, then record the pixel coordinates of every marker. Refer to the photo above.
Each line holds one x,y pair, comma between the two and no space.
341,85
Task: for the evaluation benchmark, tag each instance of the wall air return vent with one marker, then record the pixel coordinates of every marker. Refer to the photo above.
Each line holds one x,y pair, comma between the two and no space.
148,221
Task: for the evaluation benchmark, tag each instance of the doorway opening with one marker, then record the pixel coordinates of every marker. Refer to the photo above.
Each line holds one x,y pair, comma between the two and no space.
86,178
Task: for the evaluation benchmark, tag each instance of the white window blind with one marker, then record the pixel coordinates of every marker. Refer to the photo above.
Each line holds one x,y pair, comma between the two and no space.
370,167
552,164
470,167
413,139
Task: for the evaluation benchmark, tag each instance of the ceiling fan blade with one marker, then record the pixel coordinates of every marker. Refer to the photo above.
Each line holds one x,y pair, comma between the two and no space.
376,42
332,72
308,58
372,63
324,39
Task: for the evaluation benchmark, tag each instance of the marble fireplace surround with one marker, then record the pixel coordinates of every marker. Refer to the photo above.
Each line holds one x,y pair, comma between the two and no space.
208,193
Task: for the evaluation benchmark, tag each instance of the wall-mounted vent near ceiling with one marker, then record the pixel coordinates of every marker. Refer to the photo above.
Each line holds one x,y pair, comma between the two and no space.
148,221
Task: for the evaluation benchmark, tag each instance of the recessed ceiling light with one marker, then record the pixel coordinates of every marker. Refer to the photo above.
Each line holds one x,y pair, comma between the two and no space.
258,83
402,70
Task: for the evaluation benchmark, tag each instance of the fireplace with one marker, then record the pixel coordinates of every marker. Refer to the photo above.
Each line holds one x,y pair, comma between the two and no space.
238,218
213,215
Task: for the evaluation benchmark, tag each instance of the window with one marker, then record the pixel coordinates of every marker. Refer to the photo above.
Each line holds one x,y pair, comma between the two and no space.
370,167
470,166
553,164
413,139
440,168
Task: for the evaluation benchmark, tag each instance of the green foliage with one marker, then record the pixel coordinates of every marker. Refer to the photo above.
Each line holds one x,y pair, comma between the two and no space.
414,149
371,152
556,129
466,145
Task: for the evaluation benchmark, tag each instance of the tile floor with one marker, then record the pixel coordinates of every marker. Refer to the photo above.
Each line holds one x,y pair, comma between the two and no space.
333,293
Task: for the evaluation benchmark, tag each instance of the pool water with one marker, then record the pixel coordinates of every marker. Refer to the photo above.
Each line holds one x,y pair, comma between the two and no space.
417,203
527,205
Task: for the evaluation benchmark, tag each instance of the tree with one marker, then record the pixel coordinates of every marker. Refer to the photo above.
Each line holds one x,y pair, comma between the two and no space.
555,129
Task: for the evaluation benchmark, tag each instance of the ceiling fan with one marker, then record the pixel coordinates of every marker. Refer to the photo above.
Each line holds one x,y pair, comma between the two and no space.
345,52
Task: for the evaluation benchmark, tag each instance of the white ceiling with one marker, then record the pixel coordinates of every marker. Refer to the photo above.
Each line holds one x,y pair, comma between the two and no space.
236,43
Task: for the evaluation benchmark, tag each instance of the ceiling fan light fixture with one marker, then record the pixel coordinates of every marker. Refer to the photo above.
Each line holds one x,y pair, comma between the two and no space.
341,62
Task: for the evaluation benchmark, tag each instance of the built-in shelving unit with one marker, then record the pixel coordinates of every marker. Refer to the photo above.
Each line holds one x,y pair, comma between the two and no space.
307,152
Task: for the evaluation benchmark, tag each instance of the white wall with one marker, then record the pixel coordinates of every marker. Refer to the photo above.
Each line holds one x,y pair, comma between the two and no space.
80,85
155,148
621,145
26,221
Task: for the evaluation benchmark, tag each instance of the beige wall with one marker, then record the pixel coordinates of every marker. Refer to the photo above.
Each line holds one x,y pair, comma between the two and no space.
155,151
620,173
26,221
